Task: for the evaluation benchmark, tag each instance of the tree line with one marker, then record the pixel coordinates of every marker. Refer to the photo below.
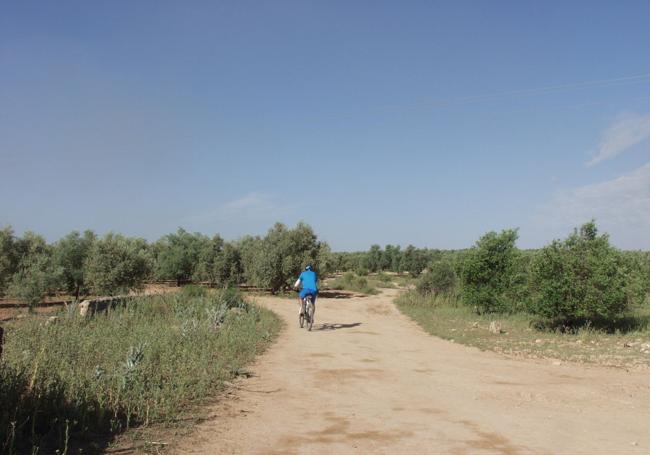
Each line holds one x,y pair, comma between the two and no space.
580,280
391,258
82,264
582,277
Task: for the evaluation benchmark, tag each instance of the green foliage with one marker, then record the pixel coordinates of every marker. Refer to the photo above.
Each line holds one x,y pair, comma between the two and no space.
275,261
177,255
117,264
384,278
219,263
362,271
413,261
142,363
392,258
27,272
30,246
69,255
351,282
637,270
36,278
228,269
489,274
191,291
440,279
248,247
580,278
8,257
325,260
373,260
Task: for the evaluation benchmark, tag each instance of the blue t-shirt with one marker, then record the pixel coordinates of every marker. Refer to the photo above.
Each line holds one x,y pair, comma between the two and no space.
308,280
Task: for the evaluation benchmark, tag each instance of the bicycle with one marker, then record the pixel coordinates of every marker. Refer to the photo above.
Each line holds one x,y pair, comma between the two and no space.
307,312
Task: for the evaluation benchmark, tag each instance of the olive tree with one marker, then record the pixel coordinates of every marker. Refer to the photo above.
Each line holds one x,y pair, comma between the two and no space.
219,263
8,257
373,259
117,264
177,255
36,277
277,259
69,255
580,278
413,260
30,246
392,258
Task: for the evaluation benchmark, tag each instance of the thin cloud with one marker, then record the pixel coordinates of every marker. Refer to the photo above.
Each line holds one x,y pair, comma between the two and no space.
620,206
621,136
252,202
251,213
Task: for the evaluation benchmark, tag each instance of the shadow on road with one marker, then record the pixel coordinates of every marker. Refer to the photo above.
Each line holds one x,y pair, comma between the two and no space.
338,326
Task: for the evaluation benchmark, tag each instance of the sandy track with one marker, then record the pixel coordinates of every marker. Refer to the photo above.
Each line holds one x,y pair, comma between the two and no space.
369,380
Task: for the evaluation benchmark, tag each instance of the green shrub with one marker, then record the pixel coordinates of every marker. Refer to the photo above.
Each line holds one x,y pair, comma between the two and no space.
362,271
348,278
580,278
489,277
384,278
440,279
36,278
349,281
637,269
413,260
193,290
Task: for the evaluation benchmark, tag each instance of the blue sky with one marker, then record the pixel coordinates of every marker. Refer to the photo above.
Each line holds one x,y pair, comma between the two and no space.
376,122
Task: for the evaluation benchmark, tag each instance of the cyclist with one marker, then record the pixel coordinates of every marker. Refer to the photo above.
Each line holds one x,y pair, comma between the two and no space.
309,281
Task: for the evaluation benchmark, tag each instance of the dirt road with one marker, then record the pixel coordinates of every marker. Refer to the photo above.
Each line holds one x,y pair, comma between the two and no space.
369,380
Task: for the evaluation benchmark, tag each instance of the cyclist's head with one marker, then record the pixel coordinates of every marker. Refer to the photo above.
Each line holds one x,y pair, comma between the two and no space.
308,268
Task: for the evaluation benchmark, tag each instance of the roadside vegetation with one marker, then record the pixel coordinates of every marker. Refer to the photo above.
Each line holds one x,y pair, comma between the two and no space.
142,363
625,344
349,281
82,265
575,299
409,261
62,383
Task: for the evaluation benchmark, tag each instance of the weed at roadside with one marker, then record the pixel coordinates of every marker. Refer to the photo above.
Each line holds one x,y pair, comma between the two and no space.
139,364
524,336
350,282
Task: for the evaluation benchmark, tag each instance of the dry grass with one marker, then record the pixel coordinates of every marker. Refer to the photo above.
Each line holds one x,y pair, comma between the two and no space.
66,383
627,347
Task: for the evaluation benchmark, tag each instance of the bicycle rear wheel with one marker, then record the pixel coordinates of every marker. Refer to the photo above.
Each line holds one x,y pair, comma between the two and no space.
310,315
301,318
